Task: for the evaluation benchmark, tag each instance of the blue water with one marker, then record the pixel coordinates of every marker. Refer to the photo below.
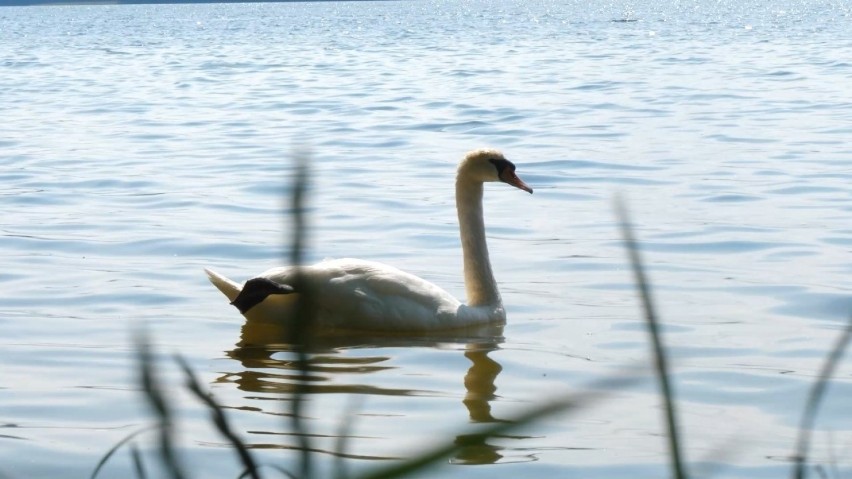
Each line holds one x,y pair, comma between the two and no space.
142,143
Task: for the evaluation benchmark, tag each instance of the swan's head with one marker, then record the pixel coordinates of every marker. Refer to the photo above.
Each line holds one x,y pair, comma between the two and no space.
490,165
256,290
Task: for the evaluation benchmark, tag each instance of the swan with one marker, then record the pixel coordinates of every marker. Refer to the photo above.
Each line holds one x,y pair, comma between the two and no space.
352,294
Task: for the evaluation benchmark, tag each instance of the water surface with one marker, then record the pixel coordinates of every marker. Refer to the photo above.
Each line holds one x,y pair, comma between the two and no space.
143,143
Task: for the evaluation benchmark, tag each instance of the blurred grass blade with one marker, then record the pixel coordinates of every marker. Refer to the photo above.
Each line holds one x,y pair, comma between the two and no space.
116,447
217,414
297,204
283,471
417,465
154,393
138,465
301,327
659,353
815,398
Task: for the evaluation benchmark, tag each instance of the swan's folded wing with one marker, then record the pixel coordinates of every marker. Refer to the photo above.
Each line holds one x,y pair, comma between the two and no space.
377,296
358,294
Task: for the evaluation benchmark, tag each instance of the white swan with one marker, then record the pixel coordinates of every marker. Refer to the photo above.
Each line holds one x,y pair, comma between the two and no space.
353,294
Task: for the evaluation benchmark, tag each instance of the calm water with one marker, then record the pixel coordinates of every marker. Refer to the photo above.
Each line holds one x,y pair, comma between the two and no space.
142,143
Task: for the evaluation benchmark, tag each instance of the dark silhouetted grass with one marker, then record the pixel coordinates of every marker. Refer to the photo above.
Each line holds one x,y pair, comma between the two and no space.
817,392
138,465
300,328
217,416
439,454
153,389
659,352
134,453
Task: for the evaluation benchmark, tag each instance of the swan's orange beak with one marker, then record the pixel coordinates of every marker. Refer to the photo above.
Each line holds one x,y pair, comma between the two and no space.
511,178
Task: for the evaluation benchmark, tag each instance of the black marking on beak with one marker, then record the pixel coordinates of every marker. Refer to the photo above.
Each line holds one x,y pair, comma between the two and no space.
502,164
506,173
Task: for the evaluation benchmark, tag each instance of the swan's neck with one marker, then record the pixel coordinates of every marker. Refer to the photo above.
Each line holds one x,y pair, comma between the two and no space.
478,277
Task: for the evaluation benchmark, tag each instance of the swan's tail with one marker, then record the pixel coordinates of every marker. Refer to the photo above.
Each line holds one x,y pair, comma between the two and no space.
223,284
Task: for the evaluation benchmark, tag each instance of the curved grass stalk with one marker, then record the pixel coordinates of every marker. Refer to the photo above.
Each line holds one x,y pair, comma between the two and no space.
116,447
815,398
220,420
658,350
440,453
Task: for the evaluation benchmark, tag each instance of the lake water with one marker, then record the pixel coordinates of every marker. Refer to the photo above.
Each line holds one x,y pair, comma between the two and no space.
143,143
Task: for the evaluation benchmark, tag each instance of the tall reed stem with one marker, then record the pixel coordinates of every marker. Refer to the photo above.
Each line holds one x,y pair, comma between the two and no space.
658,350
301,327
815,397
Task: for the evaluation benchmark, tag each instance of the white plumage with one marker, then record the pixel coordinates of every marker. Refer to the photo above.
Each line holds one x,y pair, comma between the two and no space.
354,294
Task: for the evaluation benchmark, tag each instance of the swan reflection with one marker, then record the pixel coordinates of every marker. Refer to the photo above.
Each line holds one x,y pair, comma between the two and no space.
271,366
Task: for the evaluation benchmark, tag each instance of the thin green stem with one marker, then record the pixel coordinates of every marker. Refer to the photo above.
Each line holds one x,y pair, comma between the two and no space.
301,326
815,398
658,350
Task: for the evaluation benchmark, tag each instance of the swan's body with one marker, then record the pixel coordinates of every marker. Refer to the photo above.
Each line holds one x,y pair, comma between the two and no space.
353,294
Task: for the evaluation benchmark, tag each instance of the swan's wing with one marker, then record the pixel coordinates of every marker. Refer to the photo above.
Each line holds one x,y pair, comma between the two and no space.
360,294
